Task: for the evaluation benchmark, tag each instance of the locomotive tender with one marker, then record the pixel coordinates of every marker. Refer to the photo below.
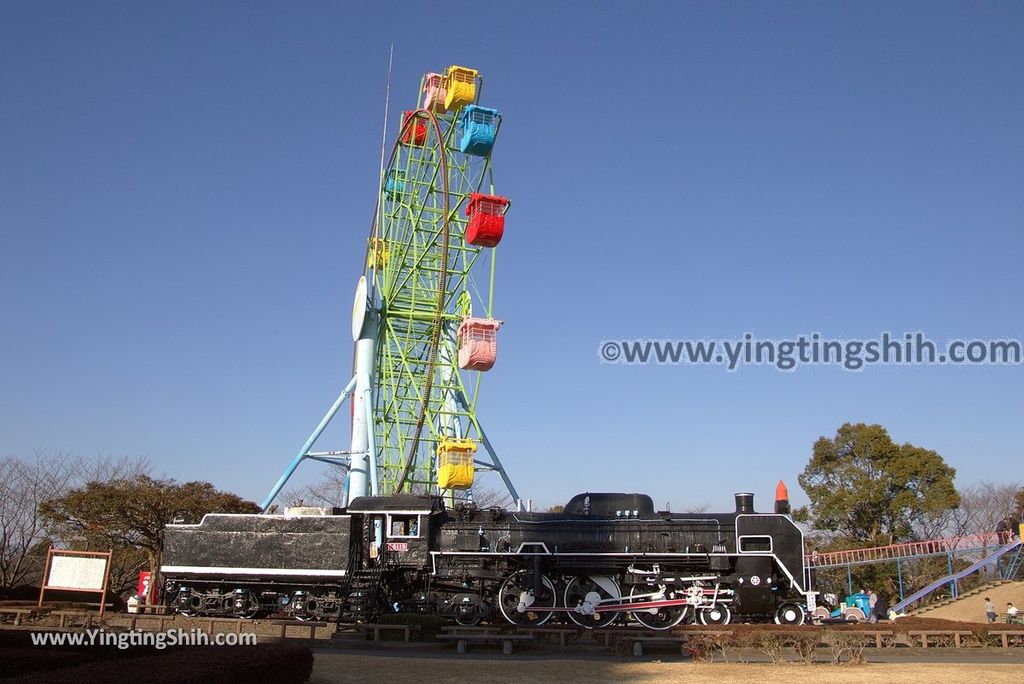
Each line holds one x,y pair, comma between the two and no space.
606,558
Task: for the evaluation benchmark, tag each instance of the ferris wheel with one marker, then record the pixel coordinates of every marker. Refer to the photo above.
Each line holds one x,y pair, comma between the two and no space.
423,319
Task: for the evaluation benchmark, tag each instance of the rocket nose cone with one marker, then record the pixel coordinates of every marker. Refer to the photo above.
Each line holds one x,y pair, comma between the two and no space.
781,493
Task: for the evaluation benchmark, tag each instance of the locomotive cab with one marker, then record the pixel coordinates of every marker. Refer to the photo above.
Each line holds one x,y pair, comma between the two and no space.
395,530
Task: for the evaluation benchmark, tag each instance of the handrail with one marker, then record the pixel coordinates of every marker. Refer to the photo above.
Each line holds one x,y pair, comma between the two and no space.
929,547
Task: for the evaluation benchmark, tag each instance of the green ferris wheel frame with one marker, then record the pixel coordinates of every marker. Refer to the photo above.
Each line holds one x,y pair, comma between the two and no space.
424,279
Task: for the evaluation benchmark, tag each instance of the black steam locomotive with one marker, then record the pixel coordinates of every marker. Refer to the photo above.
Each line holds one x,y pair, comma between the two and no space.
606,558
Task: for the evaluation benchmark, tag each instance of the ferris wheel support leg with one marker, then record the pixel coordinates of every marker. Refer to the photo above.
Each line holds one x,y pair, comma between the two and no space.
496,463
371,450
299,457
362,424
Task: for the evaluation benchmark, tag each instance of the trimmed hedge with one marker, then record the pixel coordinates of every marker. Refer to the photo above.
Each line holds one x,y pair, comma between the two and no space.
275,663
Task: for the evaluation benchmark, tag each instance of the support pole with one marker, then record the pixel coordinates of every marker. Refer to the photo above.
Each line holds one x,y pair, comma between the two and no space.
308,445
849,579
899,577
949,567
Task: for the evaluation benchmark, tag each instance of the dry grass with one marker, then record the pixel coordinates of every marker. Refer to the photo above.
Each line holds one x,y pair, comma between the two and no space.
333,668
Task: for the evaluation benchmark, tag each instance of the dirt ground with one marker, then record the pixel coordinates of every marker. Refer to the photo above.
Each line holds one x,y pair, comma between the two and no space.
331,668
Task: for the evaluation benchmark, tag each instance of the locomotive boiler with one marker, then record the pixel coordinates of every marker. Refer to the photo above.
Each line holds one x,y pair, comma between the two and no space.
606,558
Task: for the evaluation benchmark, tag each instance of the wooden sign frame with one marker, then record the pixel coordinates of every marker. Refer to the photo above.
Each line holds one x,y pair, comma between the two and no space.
51,553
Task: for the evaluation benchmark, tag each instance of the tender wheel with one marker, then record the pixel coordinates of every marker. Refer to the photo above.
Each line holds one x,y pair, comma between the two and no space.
716,615
657,618
789,614
194,607
854,614
298,606
245,604
521,604
820,614
585,593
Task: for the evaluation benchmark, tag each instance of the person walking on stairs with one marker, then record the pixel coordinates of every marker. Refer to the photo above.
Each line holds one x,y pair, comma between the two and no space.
990,610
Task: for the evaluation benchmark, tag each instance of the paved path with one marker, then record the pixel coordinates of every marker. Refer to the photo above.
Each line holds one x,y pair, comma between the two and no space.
335,667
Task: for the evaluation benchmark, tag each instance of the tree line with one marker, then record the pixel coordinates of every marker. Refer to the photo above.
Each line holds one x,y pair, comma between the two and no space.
94,504
863,489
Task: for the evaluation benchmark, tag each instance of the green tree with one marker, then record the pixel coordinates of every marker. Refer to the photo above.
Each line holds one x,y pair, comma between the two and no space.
131,514
871,491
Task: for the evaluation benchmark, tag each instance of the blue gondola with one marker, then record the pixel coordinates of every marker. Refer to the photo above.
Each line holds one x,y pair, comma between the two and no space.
479,126
394,184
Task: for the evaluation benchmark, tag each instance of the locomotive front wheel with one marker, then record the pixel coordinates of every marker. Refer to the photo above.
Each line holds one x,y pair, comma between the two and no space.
789,614
584,594
716,615
521,604
662,618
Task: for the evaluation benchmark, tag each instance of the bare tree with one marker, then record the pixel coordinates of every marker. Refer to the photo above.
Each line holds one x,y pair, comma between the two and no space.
328,491
986,503
491,498
101,468
940,524
25,483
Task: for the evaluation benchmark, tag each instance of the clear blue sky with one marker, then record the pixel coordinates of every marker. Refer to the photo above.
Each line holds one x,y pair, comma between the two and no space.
185,190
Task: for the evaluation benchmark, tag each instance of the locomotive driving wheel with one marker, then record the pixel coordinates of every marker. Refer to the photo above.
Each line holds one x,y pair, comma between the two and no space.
522,603
665,617
584,593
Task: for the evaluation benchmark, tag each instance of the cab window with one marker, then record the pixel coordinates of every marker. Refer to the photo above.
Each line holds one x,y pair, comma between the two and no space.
403,525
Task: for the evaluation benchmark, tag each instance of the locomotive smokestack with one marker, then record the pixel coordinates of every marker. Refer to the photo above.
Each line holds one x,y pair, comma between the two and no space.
782,498
744,502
